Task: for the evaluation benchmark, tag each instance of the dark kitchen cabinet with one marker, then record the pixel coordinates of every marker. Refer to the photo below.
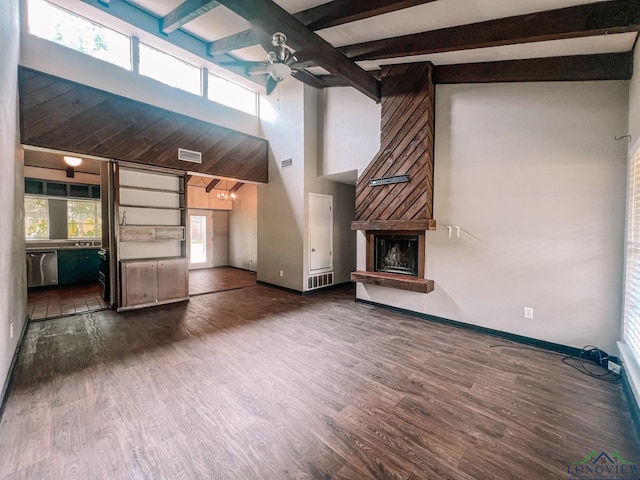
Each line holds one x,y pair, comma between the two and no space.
78,266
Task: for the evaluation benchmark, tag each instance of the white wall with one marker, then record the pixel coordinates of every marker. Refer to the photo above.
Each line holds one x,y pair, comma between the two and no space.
344,239
13,278
220,238
349,130
290,123
281,201
243,229
533,176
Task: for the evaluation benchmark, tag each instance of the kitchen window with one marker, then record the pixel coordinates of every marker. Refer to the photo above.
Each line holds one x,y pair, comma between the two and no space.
36,218
83,219
73,31
54,218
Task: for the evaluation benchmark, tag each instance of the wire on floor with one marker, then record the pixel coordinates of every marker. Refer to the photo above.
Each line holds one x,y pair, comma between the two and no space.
589,356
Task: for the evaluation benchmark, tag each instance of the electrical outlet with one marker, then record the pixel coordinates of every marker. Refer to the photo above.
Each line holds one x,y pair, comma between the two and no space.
11,330
281,273
528,313
614,367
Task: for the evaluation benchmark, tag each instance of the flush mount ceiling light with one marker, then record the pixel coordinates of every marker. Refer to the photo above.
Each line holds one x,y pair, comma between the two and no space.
72,161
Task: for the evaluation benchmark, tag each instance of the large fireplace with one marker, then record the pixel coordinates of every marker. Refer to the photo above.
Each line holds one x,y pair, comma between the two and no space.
395,259
396,254
394,194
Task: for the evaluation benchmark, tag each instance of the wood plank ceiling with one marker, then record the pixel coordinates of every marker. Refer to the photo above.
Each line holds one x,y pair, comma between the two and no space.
64,115
342,42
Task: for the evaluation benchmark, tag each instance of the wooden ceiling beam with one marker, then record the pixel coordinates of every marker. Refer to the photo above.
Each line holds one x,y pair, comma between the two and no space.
326,15
270,17
340,12
236,187
212,185
607,66
243,39
308,78
609,17
184,13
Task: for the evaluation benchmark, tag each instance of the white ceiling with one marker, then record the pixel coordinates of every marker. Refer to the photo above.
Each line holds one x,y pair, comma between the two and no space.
221,22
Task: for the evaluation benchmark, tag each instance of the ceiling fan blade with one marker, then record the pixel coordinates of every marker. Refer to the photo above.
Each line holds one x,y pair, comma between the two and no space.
258,69
241,63
271,85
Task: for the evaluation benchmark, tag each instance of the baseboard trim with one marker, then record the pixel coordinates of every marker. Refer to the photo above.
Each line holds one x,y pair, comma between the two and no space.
634,405
533,342
278,287
12,368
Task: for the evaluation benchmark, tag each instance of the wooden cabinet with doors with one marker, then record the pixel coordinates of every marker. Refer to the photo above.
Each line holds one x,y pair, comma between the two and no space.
153,282
150,208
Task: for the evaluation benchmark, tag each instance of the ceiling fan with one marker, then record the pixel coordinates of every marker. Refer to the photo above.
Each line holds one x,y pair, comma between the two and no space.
280,64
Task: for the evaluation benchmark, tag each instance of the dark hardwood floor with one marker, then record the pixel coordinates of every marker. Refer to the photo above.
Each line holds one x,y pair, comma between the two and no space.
258,383
219,279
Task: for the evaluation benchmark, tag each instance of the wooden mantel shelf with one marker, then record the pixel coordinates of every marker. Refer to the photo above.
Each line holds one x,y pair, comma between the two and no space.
391,280
426,224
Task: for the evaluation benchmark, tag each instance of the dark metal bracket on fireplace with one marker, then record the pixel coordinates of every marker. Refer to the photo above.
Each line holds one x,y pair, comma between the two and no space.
377,182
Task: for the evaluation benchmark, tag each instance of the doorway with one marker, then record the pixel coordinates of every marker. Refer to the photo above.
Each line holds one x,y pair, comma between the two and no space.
320,233
200,239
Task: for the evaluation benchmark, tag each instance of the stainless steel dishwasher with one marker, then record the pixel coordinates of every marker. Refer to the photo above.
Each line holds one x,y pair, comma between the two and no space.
42,268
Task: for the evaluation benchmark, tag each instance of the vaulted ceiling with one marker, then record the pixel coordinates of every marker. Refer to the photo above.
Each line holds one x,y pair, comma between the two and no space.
344,42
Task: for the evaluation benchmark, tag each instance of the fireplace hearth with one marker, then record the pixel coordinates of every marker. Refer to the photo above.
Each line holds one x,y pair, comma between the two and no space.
395,259
396,254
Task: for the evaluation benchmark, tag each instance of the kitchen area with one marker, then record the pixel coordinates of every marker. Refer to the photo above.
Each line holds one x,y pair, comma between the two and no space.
67,269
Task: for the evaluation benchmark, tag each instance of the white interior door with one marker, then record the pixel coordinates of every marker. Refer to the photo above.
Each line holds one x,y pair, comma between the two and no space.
200,239
320,232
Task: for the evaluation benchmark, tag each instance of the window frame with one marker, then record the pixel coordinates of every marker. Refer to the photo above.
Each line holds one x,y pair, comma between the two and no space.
142,46
629,345
129,63
97,207
48,219
254,94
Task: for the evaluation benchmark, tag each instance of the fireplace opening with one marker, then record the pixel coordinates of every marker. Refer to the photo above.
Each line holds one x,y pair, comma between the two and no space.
396,254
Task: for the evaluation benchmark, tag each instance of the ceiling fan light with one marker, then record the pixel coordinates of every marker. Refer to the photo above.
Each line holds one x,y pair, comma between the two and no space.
279,71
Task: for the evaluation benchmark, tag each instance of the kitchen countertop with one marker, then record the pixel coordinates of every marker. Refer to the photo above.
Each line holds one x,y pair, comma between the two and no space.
48,247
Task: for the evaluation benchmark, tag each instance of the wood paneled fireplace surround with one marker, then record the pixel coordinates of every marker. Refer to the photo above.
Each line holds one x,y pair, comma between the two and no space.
394,195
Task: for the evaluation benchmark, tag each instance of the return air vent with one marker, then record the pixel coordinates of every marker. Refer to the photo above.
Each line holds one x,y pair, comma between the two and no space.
189,156
319,281
286,163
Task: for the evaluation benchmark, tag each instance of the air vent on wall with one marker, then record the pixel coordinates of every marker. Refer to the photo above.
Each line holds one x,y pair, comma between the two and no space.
189,156
286,163
319,281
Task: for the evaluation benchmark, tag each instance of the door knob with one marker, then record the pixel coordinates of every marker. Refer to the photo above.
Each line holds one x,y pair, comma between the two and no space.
313,249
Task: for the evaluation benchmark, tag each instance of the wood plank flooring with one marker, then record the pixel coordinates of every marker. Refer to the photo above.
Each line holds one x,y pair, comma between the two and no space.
219,279
259,383
52,302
